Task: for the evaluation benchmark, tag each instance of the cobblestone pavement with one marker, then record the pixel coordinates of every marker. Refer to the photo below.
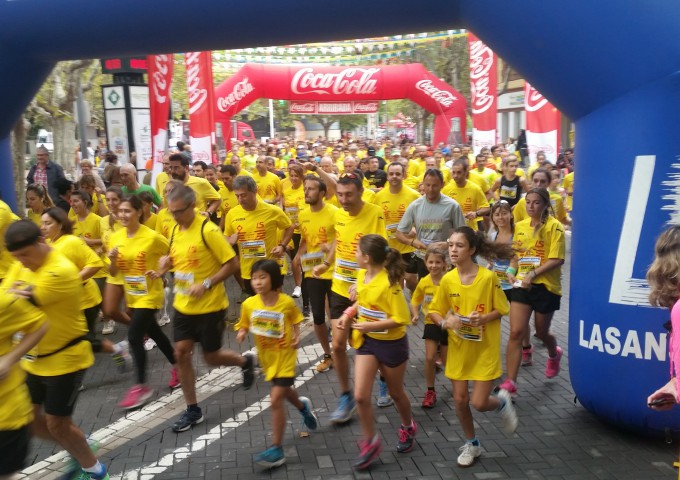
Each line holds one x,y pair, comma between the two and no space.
556,438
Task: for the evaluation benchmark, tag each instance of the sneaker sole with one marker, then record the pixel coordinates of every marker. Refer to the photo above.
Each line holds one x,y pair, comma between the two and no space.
384,405
341,421
275,464
368,462
409,449
188,427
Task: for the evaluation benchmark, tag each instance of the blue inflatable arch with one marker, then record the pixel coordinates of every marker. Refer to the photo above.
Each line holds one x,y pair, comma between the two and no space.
611,65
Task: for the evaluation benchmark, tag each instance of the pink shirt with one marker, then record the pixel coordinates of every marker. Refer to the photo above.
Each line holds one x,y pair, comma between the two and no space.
674,345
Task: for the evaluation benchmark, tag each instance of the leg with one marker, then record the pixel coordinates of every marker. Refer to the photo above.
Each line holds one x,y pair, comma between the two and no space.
543,322
461,398
136,331
155,332
318,291
394,377
365,368
430,357
183,356
481,399
340,358
278,408
113,297
519,324
91,315
66,434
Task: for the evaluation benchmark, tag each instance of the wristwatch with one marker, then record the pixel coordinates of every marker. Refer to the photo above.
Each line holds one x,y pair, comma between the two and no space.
207,284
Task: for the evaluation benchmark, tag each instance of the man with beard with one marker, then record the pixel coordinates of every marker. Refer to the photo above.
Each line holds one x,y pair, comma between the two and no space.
207,199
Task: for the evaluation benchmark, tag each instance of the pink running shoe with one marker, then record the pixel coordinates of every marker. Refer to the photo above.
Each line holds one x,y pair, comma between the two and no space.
552,368
369,451
174,379
509,386
137,396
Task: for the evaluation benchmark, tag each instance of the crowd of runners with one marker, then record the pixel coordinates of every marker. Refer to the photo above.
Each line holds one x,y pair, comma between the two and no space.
377,236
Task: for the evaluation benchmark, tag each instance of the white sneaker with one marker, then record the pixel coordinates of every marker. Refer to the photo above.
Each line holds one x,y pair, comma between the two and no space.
508,414
109,327
163,320
468,454
149,344
297,292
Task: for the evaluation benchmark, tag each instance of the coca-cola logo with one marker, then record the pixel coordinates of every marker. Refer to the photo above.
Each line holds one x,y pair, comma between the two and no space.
365,107
358,81
547,149
303,107
160,80
238,93
200,156
440,96
197,94
481,63
534,100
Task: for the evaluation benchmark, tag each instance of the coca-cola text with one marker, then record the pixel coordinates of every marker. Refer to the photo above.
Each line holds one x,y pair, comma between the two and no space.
240,90
441,96
356,81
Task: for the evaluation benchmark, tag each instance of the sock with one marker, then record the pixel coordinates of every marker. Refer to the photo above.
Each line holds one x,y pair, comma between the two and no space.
473,441
97,468
430,388
193,407
527,347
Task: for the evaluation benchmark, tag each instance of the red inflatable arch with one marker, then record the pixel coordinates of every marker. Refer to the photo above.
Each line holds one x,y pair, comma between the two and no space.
325,83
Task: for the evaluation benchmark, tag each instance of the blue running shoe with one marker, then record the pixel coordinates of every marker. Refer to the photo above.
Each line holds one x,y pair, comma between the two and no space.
346,408
271,458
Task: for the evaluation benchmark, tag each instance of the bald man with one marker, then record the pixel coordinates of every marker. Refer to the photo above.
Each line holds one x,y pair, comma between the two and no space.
128,176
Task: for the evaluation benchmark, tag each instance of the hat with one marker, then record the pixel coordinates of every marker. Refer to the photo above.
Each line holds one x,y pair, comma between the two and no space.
396,151
370,151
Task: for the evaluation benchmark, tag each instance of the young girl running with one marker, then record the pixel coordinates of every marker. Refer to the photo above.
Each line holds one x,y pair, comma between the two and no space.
435,261
379,336
470,304
274,319
664,279
135,252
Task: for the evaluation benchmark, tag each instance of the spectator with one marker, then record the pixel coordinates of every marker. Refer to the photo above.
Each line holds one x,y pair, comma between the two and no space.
45,172
111,175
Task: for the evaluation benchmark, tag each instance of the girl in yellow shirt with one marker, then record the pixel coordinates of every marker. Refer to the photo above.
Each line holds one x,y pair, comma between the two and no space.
274,319
469,305
37,201
135,252
379,335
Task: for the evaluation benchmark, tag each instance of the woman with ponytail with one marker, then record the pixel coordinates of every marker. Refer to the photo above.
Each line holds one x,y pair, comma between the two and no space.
379,336
539,243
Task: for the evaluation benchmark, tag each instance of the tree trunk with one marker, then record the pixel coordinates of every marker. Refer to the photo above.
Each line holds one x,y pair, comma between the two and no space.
19,162
64,143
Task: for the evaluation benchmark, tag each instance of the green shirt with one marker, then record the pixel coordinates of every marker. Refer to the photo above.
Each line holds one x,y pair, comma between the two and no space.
157,200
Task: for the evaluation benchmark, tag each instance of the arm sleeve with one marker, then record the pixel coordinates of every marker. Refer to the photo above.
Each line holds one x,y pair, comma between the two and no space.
228,227
244,319
557,242
399,311
439,303
457,217
219,246
417,297
157,200
282,220
294,312
29,178
406,221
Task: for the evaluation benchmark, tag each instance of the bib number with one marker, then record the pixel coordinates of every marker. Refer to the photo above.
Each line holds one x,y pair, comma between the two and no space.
346,271
182,282
311,260
267,324
392,230
526,265
136,285
508,191
368,315
253,249
467,331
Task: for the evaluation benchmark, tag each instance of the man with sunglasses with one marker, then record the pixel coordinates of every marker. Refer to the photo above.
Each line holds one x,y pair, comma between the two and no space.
207,199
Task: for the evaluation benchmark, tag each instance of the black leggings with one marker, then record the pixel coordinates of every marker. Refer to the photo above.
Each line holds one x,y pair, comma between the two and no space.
319,290
296,246
91,315
143,322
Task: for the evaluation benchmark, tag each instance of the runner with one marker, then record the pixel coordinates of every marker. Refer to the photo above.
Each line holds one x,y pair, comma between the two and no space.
87,184
379,336
207,199
57,365
37,201
469,305
149,218
469,196
202,260
268,184
134,252
541,178
292,202
165,220
540,244
274,319
510,184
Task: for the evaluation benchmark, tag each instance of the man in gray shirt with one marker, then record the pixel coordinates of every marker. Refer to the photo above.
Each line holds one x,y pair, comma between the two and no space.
433,215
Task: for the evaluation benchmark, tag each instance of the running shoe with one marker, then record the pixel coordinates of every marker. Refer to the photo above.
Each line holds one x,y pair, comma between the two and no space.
109,327
346,408
325,364
430,399
123,359
73,469
83,475
552,368
384,399
188,419
297,292
248,371
137,396
369,450
305,311
527,356
174,379
509,386
308,416
271,458
149,344
508,413
407,438
164,319
468,454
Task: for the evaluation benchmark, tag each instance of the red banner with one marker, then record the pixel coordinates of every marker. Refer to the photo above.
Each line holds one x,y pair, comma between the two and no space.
160,80
201,105
346,84
332,108
483,93
543,125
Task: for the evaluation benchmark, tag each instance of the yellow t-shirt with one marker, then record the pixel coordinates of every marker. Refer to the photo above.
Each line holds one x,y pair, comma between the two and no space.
293,203
257,232
194,261
229,200
317,228
55,285
248,162
165,222
136,256
151,221
16,315
204,192
519,212
469,359
273,330
349,229
76,250
487,174
393,206
423,296
378,300
162,180
479,180
7,217
534,250
470,198
416,167
268,186
34,217
568,185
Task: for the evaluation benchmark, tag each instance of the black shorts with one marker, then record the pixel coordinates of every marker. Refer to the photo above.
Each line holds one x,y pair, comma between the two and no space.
433,332
508,294
420,266
319,289
390,353
538,297
338,304
205,328
56,394
14,448
283,381
410,262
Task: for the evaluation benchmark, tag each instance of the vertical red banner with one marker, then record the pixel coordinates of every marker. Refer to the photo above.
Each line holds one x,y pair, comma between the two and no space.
483,93
543,125
160,81
201,101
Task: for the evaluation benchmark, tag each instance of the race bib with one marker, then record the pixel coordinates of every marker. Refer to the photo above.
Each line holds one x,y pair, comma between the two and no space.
467,331
182,282
500,269
392,230
526,265
368,315
252,249
428,298
346,271
136,285
267,323
292,213
508,191
311,260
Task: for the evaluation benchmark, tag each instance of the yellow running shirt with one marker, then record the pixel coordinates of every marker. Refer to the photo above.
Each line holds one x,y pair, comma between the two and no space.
534,250
423,296
293,203
7,217
268,186
204,192
470,198
393,206
519,212
165,222
317,228
568,185
82,256
378,300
